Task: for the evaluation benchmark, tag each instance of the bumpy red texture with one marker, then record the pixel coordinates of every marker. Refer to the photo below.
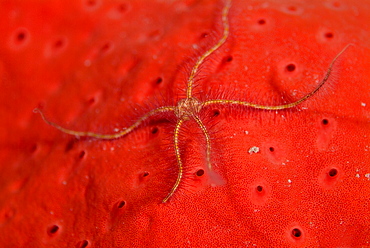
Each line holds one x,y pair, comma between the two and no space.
298,177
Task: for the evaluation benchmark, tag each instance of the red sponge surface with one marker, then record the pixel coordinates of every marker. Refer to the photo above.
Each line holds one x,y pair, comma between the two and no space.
297,177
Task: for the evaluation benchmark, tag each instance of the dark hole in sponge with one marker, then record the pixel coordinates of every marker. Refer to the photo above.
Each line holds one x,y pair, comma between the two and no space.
216,112
325,121
333,172
228,58
296,233
121,204
154,130
200,172
272,149
21,36
91,101
53,230
82,154
122,7
261,21
259,188
33,148
70,145
145,174
290,67
58,44
329,35
159,80
83,244
106,47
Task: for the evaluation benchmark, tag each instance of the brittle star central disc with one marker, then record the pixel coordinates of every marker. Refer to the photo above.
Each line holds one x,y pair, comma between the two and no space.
187,108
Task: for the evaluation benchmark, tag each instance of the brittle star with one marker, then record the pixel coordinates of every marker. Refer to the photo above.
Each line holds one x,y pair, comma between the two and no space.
188,108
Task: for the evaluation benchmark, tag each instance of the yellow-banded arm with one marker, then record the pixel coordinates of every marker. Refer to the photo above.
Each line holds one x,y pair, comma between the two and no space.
105,136
208,141
179,161
225,23
284,106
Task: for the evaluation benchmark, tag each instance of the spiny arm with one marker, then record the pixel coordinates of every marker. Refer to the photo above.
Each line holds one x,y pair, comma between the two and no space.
179,161
225,34
105,136
208,141
284,106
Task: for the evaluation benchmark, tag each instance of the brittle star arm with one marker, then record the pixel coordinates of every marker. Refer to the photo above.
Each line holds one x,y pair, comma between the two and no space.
284,106
225,34
208,140
106,136
179,161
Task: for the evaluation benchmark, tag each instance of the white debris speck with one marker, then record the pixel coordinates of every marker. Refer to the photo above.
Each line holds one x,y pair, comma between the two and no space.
289,181
112,148
116,129
367,175
358,175
195,46
246,132
254,149
256,210
363,104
